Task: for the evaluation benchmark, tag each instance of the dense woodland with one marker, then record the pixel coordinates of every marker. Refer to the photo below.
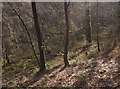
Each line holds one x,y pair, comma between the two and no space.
61,44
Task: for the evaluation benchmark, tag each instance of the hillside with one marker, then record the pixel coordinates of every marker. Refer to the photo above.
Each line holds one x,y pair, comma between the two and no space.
98,71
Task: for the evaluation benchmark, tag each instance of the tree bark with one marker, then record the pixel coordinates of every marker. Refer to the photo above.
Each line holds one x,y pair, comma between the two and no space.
88,24
66,63
4,47
118,21
98,43
6,55
39,36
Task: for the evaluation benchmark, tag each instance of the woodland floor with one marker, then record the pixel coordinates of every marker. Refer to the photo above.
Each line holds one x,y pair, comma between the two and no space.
96,72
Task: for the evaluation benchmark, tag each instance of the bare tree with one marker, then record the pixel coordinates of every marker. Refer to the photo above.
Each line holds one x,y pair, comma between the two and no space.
39,36
118,21
25,29
98,44
67,34
88,24
6,50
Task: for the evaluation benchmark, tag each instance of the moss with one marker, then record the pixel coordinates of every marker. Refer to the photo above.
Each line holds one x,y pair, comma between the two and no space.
47,66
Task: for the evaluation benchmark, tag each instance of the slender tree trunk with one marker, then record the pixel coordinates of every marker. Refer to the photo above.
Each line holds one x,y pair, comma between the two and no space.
67,34
88,25
6,55
118,21
26,30
6,52
38,31
98,44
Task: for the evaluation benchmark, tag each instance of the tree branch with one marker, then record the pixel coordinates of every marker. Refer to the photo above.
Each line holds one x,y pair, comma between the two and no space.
25,29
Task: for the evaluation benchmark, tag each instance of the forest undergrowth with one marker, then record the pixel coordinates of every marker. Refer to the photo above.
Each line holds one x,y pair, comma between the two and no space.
85,70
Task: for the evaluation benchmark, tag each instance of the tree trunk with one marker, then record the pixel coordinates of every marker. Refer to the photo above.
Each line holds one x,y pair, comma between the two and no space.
38,31
7,57
66,63
88,24
98,44
118,21
4,47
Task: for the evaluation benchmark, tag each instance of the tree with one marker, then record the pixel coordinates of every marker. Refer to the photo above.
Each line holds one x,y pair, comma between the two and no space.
6,55
88,25
118,21
5,47
66,63
98,44
39,36
25,29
